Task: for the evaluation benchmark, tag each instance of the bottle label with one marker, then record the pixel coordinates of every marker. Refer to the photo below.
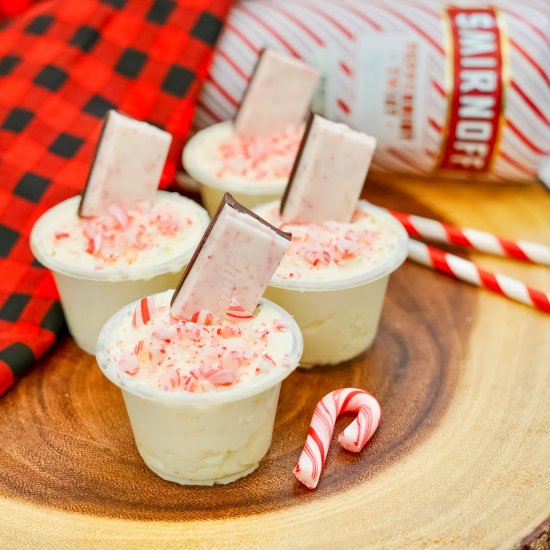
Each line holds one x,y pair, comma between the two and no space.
477,70
390,89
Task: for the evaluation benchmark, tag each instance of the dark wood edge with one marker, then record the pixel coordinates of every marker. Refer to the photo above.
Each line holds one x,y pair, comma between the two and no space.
297,160
542,529
228,200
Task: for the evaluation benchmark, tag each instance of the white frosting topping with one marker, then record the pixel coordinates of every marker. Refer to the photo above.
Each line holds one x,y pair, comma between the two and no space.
335,251
218,154
179,355
141,236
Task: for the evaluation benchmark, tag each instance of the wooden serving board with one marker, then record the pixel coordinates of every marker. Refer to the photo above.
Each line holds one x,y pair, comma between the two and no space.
461,459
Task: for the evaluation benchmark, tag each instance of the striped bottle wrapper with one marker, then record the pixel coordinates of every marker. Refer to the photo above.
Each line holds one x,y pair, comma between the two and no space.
459,90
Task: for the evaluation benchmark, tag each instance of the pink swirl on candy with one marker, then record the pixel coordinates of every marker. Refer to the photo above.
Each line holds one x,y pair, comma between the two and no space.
353,438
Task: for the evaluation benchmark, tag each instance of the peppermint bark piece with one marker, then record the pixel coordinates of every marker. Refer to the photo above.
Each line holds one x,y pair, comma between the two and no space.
127,165
278,96
328,174
234,262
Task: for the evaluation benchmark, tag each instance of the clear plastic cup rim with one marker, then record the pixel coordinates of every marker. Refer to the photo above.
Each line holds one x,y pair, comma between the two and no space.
369,276
198,169
236,393
125,273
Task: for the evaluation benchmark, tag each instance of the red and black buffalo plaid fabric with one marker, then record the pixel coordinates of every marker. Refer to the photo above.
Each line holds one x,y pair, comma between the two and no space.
63,64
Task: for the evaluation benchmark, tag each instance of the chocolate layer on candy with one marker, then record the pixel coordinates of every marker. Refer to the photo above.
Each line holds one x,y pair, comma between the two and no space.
128,162
328,174
235,259
278,95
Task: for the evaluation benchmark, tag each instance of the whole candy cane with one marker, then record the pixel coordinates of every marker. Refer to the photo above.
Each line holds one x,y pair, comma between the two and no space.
417,226
353,438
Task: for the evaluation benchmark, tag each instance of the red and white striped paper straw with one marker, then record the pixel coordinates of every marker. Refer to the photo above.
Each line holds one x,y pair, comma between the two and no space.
417,226
467,271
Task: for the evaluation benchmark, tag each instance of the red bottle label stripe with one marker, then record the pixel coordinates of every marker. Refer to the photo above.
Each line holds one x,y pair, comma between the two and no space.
475,88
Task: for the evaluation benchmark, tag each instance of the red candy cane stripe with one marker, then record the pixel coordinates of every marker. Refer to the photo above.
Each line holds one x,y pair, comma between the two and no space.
353,438
138,348
417,226
236,311
203,317
143,312
467,271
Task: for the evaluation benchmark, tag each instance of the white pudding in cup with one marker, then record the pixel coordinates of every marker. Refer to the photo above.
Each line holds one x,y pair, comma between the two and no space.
201,398
253,169
101,264
333,279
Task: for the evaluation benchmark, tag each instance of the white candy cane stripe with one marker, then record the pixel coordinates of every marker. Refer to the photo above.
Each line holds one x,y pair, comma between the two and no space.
464,270
234,29
428,9
417,226
544,173
234,65
264,23
522,114
537,47
420,165
302,23
510,158
143,312
304,41
408,21
536,90
530,101
530,24
526,139
386,160
206,116
294,26
353,438
529,58
372,22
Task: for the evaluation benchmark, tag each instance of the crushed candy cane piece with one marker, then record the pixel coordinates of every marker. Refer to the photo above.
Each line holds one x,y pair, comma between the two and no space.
143,312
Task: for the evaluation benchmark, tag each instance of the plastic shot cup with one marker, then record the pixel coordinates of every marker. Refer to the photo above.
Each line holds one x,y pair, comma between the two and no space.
89,297
201,438
248,192
339,319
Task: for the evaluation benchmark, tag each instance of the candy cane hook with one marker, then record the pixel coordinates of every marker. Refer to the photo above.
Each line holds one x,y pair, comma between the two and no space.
353,438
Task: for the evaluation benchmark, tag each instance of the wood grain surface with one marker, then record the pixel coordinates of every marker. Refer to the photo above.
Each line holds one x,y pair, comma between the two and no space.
462,457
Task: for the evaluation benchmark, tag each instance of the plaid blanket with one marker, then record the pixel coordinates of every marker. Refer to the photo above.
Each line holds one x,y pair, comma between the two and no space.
63,64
